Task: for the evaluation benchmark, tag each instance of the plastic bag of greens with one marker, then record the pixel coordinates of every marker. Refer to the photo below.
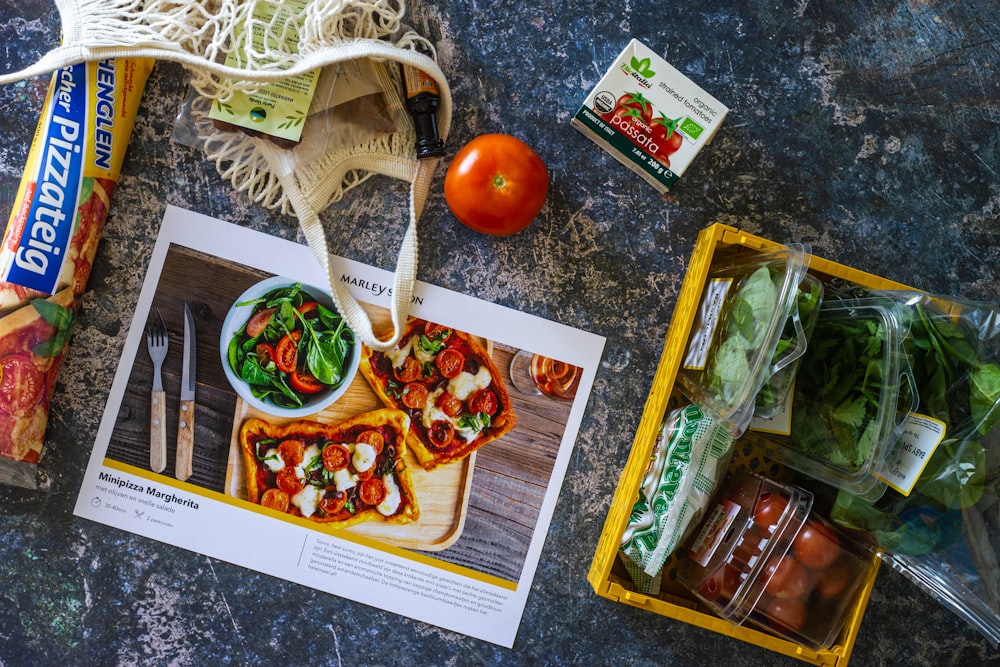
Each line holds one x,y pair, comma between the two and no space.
939,524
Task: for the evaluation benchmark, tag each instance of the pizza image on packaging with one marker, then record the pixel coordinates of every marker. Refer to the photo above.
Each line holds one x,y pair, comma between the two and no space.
446,381
339,475
33,342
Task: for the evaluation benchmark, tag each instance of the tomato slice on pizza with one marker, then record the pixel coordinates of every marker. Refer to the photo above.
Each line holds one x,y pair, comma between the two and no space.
341,474
450,387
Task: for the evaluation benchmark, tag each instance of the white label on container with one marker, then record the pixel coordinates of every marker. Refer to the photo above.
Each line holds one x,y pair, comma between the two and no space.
780,423
921,436
711,308
713,532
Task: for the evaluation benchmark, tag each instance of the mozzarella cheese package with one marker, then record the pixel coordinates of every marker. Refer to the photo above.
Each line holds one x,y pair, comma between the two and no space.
51,239
687,463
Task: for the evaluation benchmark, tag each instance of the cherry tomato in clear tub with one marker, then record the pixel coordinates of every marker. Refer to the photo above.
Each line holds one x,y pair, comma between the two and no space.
496,184
786,613
816,545
769,508
788,579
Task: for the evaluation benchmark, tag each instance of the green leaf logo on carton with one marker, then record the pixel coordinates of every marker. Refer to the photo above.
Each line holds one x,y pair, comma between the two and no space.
641,66
638,69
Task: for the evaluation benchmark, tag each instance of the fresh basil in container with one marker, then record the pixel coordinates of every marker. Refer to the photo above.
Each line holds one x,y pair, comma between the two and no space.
731,353
774,395
852,394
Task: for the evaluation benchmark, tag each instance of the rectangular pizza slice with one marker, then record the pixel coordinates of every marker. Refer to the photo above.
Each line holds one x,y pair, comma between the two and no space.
340,474
448,384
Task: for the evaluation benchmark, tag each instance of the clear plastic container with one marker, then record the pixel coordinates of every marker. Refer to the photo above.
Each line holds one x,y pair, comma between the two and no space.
853,390
792,344
764,558
730,355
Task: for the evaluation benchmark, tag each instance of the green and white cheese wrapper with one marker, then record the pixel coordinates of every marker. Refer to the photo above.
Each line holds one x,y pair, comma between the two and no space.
689,459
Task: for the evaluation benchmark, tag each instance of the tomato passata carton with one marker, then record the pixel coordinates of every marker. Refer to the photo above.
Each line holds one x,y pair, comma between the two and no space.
649,116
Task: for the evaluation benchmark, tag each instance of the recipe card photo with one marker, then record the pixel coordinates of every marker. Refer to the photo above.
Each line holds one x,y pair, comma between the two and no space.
247,422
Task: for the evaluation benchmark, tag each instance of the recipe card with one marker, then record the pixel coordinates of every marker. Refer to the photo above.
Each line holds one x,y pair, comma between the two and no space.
421,480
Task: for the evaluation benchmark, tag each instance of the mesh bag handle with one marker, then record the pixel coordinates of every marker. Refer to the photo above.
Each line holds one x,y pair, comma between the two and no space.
199,36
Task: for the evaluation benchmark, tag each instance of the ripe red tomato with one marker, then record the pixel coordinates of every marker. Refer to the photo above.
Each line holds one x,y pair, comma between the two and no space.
769,508
833,580
496,184
286,353
816,545
723,583
787,614
788,579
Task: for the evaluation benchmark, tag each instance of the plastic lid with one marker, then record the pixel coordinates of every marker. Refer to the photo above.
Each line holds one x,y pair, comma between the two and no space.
745,305
753,522
792,344
852,393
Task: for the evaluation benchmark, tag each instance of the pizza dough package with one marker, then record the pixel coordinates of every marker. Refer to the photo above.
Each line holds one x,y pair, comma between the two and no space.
51,239
688,461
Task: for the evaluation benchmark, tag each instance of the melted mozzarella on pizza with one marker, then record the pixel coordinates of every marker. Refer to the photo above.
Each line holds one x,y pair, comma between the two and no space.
462,385
343,479
363,457
311,457
307,500
274,462
393,497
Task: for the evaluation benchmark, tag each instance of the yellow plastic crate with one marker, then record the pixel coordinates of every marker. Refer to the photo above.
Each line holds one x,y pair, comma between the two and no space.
607,574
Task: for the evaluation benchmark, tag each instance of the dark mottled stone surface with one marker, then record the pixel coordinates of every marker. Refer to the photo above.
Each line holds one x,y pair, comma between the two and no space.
869,130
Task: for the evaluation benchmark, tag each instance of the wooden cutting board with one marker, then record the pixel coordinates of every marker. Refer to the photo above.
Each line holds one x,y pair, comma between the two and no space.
442,494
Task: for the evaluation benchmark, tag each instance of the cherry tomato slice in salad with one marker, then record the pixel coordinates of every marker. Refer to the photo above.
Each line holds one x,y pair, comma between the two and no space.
305,382
286,353
307,307
265,351
259,321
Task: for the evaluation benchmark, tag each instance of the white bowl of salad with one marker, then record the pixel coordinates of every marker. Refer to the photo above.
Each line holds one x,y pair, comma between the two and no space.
286,350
